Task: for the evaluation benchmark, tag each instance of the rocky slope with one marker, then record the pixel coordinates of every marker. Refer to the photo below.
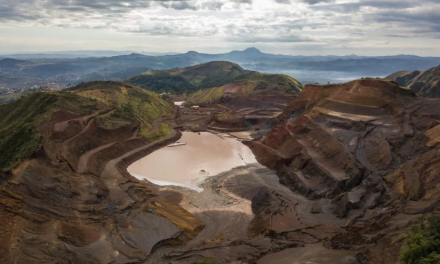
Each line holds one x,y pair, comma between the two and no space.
356,164
425,84
65,196
365,152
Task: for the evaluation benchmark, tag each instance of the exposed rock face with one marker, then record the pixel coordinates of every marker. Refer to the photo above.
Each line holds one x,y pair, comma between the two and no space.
366,151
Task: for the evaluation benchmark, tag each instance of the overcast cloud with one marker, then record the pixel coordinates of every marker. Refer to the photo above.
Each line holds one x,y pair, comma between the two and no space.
277,26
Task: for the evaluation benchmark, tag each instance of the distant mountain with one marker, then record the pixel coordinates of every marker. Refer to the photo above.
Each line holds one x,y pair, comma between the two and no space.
425,84
79,54
210,75
11,63
72,70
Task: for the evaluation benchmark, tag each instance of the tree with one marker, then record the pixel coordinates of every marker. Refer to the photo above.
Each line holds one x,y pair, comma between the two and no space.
422,243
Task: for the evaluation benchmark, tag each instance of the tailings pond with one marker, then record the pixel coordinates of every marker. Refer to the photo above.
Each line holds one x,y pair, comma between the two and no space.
203,155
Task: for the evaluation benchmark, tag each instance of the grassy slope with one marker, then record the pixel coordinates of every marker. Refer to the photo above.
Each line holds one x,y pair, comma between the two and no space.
20,138
255,83
211,74
397,74
7,98
427,84
130,102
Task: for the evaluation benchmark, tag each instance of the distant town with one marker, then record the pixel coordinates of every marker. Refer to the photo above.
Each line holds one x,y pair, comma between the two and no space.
52,86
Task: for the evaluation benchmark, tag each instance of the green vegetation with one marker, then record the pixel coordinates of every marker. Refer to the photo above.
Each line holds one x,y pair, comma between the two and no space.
162,82
19,137
423,83
391,77
211,74
162,132
206,96
422,243
255,83
129,102
21,132
7,98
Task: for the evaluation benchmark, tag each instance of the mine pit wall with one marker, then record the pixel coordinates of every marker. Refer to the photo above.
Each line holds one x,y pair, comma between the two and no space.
392,155
93,138
78,202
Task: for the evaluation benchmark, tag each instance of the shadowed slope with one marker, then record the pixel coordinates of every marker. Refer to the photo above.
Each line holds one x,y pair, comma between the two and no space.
424,84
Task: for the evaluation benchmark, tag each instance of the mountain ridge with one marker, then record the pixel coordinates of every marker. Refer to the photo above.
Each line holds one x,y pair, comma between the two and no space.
208,75
73,70
424,83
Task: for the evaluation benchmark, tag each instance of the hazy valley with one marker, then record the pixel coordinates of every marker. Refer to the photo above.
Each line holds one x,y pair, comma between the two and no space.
22,72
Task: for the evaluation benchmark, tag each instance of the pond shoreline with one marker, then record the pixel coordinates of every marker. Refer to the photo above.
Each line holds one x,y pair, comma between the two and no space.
201,155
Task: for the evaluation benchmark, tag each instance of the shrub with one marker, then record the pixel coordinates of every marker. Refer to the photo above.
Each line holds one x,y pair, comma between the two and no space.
422,243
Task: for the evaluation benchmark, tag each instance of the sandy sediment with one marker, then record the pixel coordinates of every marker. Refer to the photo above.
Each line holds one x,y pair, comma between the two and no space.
225,207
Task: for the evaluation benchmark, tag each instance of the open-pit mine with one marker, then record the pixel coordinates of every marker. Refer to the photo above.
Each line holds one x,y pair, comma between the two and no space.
107,172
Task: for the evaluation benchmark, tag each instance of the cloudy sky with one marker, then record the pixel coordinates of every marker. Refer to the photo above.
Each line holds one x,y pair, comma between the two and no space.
299,27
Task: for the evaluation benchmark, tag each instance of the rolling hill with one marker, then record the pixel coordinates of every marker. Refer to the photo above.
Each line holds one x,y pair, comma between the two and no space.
179,80
254,85
107,106
423,83
214,74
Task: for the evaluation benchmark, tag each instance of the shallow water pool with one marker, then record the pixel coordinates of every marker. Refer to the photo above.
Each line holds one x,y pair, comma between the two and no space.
204,155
